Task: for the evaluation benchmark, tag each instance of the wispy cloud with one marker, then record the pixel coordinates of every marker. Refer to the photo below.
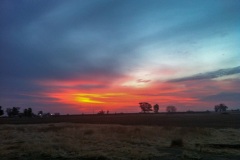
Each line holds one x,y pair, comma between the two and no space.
209,75
143,80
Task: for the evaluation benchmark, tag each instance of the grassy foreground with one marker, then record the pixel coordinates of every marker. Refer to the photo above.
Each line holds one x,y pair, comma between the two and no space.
92,141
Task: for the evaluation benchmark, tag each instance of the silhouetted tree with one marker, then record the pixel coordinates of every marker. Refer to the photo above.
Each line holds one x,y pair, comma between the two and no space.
220,108
146,107
171,109
101,112
15,111
28,112
1,111
156,108
25,112
12,111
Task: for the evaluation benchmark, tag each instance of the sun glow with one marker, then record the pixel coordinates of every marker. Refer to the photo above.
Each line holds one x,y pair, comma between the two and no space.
87,100
95,98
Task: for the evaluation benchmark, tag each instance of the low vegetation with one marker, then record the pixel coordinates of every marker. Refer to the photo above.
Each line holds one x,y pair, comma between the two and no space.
92,141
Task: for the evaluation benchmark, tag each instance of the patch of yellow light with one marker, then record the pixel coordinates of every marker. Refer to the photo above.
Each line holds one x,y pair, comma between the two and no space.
87,100
89,97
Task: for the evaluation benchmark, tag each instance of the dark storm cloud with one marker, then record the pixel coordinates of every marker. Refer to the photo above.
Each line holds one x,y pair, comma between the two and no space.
39,45
225,96
209,75
77,38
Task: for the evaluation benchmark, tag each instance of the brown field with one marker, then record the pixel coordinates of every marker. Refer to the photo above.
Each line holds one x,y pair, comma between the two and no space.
128,136
213,120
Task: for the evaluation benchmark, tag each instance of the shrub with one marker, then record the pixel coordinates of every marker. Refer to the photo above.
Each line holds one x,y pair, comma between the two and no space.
177,143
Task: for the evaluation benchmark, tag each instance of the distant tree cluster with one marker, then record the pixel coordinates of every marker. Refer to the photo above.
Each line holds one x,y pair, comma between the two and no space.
27,112
15,111
156,108
220,108
11,112
171,109
103,112
145,106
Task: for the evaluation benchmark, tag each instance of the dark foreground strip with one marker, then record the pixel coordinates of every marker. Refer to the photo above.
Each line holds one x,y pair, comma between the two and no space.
220,146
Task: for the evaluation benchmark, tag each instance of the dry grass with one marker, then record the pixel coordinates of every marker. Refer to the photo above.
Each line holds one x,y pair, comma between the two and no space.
68,140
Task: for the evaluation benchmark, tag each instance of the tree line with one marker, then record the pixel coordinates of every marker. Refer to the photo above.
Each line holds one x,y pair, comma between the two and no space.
15,111
147,107
27,112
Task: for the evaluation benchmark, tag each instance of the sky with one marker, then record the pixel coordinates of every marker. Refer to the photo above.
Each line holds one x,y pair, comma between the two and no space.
83,56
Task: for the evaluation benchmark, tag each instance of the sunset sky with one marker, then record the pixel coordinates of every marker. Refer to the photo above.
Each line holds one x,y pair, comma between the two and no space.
81,56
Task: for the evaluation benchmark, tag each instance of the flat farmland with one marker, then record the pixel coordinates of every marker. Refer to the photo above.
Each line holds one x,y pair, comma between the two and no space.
213,120
196,136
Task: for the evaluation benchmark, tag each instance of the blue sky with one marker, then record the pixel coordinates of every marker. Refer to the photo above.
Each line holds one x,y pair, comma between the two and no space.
116,45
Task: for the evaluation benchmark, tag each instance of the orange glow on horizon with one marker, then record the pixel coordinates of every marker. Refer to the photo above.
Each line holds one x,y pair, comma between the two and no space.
124,98
117,97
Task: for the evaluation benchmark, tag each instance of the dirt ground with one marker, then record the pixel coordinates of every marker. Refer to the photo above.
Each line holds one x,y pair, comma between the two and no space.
117,142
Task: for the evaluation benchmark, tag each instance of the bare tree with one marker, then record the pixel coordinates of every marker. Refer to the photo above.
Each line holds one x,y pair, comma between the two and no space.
101,112
171,109
145,106
156,108
220,108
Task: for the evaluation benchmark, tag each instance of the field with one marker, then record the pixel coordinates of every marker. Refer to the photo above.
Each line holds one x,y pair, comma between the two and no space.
127,136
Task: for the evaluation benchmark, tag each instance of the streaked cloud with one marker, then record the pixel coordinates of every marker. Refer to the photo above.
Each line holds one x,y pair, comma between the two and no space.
209,75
